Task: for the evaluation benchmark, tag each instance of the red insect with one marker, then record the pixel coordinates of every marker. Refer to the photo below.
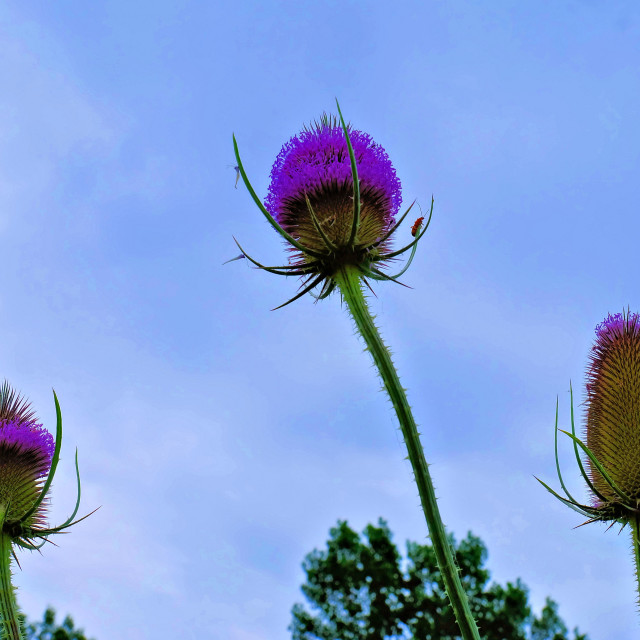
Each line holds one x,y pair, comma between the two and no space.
416,226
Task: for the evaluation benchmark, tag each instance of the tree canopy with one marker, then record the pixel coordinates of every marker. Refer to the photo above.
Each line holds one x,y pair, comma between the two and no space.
361,589
49,630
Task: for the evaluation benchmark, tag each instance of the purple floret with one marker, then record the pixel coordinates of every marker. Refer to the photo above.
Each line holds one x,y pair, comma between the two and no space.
28,438
614,325
320,156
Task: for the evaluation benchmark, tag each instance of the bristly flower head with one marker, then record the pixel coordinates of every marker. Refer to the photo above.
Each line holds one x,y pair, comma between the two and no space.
315,165
28,459
612,423
612,420
26,450
333,197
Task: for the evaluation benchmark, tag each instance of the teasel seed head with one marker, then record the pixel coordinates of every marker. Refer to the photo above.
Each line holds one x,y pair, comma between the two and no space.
611,469
612,416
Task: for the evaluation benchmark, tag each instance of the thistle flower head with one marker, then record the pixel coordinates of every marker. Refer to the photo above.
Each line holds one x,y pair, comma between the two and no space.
26,451
28,459
333,197
612,424
315,166
612,418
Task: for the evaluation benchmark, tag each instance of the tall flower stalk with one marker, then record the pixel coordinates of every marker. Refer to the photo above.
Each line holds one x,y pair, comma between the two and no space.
611,465
333,198
28,460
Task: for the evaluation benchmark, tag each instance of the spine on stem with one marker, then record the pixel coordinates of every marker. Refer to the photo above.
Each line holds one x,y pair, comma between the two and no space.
348,280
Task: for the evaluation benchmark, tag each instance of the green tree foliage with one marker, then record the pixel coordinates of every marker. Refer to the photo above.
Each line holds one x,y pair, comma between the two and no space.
358,590
49,630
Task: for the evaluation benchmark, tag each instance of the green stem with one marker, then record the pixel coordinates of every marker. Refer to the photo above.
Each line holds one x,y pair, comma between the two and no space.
348,279
635,537
9,612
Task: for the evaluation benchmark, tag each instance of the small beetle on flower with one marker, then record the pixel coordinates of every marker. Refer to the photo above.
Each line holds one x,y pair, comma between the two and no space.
416,226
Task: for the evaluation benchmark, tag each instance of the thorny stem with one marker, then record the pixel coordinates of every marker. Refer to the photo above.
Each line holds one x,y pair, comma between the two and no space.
635,541
348,280
9,612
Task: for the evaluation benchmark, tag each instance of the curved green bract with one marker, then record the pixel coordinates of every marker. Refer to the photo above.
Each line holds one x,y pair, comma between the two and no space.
406,266
564,488
368,273
583,472
327,288
376,274
43,533
69,520
313,285
621,494
392,230
318,226
356,182
585,475
582,509
270,219
54,462
417,239
27,544
285,270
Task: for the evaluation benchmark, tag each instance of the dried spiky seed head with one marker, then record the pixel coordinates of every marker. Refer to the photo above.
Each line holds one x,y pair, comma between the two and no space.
613,406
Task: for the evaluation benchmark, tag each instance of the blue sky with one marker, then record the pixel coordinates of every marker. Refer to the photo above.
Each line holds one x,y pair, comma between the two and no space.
224,440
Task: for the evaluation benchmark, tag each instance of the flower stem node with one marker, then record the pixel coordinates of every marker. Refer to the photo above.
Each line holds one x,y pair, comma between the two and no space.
333,197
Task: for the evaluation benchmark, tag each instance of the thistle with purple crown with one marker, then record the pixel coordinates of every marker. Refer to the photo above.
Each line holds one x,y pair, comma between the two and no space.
334,196
611,468
28,460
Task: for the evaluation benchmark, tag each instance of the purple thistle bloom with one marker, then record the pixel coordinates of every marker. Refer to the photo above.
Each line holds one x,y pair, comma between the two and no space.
28,440
315,164
26,453
318,159
614,325
333,197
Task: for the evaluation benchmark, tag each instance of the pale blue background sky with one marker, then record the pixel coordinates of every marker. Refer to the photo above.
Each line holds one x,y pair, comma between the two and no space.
223,440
